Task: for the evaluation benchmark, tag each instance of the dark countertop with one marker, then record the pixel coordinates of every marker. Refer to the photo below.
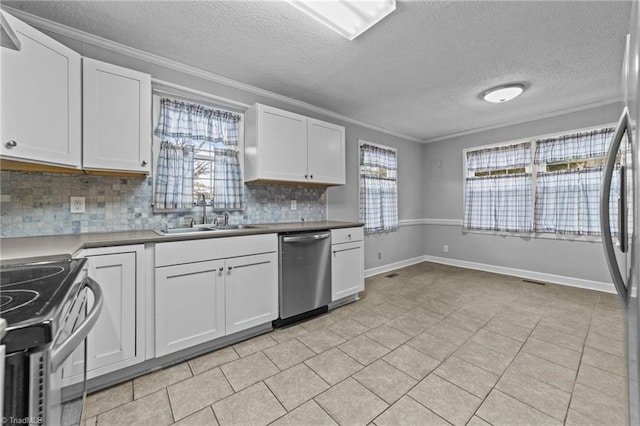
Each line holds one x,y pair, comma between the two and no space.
56,245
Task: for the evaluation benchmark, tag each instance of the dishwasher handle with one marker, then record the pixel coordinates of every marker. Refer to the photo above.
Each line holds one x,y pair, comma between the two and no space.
306,237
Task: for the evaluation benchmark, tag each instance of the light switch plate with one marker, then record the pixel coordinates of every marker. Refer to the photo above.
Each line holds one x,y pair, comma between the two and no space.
77,205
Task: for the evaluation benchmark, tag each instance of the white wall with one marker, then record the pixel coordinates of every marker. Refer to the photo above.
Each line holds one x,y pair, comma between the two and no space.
407,242
443,198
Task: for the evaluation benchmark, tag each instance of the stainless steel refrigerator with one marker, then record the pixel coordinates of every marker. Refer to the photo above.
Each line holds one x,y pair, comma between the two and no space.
621,245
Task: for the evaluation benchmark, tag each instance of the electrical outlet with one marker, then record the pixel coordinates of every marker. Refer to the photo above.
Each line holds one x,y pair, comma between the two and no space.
294,205
379,255
77,205
445,248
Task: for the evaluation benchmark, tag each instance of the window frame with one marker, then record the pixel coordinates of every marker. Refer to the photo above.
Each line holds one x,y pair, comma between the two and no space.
389,148
157,95
533,168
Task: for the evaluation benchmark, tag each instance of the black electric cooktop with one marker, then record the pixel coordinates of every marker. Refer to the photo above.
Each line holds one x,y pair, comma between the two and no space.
34,298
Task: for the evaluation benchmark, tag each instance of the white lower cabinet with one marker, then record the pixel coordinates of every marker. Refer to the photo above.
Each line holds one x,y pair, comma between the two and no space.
117,339
347,263
251,291
202,300
189,305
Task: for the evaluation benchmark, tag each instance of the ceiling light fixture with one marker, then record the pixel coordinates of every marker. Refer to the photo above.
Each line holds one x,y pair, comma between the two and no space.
349,18
503,93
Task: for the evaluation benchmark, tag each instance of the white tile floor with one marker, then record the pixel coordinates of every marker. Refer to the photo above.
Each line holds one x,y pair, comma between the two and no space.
434,345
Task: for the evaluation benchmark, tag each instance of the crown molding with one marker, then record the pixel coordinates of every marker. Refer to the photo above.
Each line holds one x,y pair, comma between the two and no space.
577,108
84,37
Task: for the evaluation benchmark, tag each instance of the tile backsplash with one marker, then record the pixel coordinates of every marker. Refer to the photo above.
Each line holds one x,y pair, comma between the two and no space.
35,203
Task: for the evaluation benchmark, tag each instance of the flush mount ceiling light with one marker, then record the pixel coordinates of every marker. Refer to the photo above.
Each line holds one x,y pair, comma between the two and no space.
504,93
349,18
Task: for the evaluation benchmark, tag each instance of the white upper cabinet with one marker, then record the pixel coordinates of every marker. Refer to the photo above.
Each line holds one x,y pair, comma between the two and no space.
325,152
116,118
288,147
41,98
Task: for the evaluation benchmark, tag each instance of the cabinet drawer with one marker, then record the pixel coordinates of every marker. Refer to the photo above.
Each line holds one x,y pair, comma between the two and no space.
346,235
178,252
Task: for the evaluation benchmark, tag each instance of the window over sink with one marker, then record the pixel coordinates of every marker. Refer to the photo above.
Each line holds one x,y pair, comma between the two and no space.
197,153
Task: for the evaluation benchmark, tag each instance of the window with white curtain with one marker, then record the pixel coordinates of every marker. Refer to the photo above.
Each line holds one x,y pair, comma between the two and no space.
199,155
498,190
568,182
549,185
378,188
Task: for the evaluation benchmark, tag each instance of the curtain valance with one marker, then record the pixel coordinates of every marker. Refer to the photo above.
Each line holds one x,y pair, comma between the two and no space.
574,146
500,157
179,120
374,156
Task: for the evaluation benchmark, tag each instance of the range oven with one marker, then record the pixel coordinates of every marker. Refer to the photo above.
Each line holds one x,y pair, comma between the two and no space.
45,306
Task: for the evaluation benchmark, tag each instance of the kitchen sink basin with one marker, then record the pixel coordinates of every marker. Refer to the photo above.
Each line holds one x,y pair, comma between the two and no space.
202,229
175,231
230,227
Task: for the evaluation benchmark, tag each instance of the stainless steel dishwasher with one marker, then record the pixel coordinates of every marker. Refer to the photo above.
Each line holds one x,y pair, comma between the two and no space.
305,275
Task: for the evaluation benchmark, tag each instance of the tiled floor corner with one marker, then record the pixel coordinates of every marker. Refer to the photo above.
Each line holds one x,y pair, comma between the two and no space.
434,345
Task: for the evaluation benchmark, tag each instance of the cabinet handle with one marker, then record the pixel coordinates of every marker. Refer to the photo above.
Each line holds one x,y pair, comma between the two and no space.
11,144
251,264
349,236
144,163
230,268
347,249
306,176
221,269
311,176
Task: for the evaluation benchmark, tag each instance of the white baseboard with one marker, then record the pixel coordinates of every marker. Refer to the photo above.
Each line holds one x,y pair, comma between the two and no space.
523,273
503,270
392,266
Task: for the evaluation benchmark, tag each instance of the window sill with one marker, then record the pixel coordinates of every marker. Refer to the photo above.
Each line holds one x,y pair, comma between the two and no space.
541,236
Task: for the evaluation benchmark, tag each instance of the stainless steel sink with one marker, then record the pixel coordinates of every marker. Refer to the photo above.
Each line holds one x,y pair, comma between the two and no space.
201,229
174,231
231,227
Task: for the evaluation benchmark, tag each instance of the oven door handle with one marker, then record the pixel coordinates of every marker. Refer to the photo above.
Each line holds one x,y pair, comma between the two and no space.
62,352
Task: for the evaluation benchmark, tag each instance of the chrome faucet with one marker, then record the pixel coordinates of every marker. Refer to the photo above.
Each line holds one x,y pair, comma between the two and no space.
203,200
225,215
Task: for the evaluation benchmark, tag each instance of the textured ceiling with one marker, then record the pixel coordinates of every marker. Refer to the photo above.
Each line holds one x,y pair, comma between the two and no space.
419,72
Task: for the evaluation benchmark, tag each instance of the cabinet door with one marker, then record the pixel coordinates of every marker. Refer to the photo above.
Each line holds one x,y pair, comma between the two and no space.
282,145
251,291
189,305
41,118
326,153
113,341
347,270
116,118
114,335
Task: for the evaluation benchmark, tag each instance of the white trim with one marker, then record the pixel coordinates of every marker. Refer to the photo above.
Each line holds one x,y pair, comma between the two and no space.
427,221
411,222
522,273
392,266
85,37
603,103
502,270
